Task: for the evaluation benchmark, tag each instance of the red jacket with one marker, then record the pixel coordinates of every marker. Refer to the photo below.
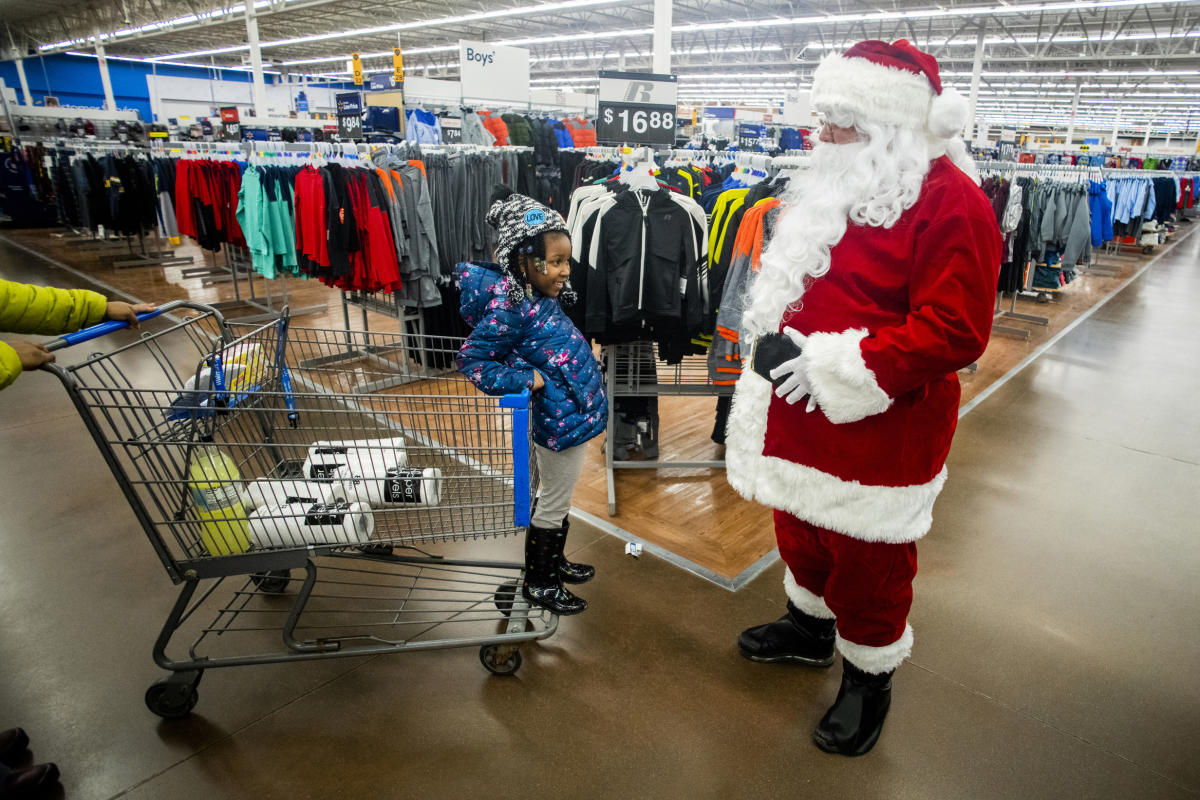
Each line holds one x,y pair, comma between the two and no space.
899,312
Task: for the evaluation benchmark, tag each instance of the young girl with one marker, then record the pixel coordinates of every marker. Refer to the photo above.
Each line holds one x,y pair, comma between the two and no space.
522,339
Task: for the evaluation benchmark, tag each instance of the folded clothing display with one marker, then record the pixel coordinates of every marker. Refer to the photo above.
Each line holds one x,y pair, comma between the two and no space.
396,486
301,524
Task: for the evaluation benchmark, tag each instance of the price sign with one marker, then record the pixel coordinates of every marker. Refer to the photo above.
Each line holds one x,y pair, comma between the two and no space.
625,123
637,108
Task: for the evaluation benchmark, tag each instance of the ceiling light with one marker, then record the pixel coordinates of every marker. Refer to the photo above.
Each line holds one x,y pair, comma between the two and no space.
520,11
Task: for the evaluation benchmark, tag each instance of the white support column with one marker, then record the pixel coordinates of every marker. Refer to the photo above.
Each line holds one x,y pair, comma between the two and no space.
109,102
1146,142
1168,142
662,36
28,97
260,86
1074,111
1116,128
976,72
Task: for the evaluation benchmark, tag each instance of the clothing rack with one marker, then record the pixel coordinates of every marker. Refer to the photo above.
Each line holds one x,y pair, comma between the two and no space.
142,256
236,261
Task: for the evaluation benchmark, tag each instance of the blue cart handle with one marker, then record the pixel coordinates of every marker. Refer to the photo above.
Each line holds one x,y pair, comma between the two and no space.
111,326
519,404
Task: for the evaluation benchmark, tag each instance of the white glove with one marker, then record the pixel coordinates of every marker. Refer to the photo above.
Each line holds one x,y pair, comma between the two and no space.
796,386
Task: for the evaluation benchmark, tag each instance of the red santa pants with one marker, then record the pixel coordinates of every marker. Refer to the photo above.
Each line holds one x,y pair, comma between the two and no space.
867,585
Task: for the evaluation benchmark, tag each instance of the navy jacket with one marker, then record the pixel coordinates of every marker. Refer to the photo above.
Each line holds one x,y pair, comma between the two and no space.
510,340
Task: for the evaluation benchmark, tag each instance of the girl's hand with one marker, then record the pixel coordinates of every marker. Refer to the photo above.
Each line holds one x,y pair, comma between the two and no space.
32,354
538,381
124,312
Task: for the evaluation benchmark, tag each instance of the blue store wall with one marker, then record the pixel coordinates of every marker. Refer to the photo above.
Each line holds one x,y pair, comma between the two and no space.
75,80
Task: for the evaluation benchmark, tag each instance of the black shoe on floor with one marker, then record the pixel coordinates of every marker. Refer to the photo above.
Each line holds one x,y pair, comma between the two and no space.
571,571
543,585
38,780
14,746
796,637
852,725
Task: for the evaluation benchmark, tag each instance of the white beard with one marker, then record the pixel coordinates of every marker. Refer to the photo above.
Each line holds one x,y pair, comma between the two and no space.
869,182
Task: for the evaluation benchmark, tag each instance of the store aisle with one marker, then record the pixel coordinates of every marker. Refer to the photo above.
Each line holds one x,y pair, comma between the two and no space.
1055,624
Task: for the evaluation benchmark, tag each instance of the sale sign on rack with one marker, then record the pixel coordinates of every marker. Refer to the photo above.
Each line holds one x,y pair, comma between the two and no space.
637,108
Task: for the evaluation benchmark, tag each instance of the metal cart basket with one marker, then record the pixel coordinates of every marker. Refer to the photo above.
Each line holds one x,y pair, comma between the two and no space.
300,505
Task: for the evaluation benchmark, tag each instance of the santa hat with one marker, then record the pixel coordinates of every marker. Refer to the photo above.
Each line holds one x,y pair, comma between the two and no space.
890,84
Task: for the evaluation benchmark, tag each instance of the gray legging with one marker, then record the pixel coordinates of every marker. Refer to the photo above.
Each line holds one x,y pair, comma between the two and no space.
558,473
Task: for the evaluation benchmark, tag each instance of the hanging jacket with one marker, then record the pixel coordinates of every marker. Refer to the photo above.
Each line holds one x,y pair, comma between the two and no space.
1100,209
43,310
496,127
563,135
422,127
510,341
583,133
473,131
646,264
520,133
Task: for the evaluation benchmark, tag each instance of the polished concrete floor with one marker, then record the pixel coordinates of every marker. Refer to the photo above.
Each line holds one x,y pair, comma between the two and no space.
1056,620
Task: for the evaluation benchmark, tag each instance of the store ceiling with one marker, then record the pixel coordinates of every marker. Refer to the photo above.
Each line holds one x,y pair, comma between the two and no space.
1141,57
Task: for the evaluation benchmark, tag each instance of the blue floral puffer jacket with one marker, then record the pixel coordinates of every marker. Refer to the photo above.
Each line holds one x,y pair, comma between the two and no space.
510,341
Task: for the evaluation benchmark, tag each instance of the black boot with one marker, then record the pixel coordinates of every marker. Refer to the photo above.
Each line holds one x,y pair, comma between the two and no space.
569,571
795,636
852,724
542,585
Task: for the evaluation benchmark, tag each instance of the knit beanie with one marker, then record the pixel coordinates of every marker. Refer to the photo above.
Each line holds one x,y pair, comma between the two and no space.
516,218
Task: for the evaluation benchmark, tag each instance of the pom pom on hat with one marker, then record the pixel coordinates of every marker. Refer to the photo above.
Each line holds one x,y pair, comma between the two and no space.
947,114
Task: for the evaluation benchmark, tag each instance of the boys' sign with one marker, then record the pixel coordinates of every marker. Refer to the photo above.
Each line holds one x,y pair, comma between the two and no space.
493,72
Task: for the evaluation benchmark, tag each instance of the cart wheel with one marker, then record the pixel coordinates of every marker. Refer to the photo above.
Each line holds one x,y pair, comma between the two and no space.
172,700
489,655
274,582
1147,250
506,593
376,549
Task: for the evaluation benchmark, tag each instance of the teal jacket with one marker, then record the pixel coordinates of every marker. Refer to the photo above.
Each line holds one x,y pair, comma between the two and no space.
44,310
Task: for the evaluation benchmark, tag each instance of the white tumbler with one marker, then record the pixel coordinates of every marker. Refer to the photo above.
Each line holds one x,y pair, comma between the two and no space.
369,456
399,486
279,492
303,524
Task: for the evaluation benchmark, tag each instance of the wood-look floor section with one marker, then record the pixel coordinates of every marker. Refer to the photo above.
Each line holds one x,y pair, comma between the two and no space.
690,512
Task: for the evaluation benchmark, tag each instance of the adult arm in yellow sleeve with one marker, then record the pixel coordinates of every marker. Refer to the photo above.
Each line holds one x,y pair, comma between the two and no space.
49,311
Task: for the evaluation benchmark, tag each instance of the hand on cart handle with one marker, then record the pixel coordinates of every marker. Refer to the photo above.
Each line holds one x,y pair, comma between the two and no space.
538,381
119,316
32,354
124,312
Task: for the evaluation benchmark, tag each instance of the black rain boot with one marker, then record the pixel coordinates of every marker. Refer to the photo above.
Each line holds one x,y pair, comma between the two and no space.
795,636
852,724
569,571
542,585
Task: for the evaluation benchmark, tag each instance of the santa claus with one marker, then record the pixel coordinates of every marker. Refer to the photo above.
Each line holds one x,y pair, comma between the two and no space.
882,273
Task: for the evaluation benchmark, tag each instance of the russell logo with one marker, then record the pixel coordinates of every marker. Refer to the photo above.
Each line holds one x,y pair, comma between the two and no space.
483,58
534,217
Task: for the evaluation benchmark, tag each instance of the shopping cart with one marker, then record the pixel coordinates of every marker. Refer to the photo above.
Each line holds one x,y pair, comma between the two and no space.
359,453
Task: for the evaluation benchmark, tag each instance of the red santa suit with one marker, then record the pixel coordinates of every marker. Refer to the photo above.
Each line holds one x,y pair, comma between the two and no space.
853,482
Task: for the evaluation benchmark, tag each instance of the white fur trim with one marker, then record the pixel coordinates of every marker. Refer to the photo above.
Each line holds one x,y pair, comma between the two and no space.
803,599
878,660
845,389
948,114
881,94
869,513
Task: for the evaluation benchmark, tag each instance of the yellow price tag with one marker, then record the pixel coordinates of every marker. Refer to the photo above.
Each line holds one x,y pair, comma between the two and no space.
397,65
358,73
